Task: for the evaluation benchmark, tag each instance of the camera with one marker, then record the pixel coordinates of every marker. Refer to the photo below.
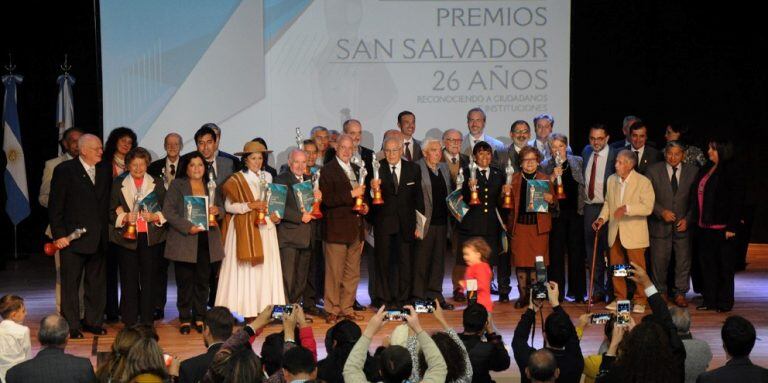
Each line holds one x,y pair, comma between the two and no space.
621,270
279,310
539,287
600,318
623,309
424,307
395,315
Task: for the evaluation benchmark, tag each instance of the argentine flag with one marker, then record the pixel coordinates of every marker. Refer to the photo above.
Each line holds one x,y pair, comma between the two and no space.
17,205
65,110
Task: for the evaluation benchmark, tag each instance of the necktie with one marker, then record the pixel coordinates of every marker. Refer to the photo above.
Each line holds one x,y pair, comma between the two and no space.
212,169
394,178
637,155
483,173
592,175
173,170
92,174
674,180
408,152
453,160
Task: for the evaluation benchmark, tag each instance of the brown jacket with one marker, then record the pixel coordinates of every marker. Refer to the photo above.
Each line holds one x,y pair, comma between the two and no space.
340,223
544,220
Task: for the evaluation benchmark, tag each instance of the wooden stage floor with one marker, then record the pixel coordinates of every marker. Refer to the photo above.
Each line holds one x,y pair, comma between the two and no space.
33,279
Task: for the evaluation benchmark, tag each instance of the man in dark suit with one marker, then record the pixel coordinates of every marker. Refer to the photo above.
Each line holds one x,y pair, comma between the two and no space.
395,225
487,354
412,151
520,133
429,263
80,198
599,163
165,169
672,182
646,154
294,233
625,124
484,220
51,364
455,160
343,231
217,328
738,340
221,167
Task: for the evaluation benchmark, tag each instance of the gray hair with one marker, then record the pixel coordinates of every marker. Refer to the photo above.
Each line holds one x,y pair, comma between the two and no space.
557,137
445,134
83,140
317,129
544,116
350,121
54,330
430,141
174,134
628,119
343,137
293,153
477,109
396,140
674,144
628,154
681,317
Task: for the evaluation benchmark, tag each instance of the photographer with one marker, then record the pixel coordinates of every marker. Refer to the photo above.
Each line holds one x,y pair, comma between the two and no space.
652,351
483,343
559,336
396,363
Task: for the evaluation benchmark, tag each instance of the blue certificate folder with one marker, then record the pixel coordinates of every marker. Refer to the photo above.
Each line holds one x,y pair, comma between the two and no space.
457,206
305,195
196,210
534,196
276,201
150,203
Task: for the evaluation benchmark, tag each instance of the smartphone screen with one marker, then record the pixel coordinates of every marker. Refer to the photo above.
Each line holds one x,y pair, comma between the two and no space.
394,315
278,311
623,309
600,318
424,307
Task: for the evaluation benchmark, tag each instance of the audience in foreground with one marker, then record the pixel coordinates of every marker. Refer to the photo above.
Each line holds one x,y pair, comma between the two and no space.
484,344
15,346
738,339
51,363
217,328
697,352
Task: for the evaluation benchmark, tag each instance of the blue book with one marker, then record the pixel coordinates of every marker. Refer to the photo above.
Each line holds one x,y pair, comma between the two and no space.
534,196
196,210
305,194
150,203
456,205
276,201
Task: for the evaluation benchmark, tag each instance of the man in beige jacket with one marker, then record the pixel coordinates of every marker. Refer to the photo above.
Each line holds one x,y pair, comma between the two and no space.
628,204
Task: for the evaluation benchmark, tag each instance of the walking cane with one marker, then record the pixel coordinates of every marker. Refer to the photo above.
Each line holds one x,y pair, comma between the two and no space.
592,272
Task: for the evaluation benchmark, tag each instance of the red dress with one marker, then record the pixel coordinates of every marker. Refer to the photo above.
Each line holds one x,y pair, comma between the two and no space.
482,273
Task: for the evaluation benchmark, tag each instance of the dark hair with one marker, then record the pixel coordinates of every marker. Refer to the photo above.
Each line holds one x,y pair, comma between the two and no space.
308,142
403,114
10,304
481,146
452,353
520,122
54,331
115,135
476,109
138,152
544,116
114,366
186,160
265,154
475,317
395,364
245,156
65,134
542,365
299,360
680,128
219,321
339,341
344,332
738,336
272,351
480,246
637,125
723,147
599,126
241,366
147,331
205,129
645,356
145,357
527,150
558,328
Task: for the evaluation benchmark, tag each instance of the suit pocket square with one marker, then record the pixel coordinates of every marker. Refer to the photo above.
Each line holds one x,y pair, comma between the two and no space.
410,183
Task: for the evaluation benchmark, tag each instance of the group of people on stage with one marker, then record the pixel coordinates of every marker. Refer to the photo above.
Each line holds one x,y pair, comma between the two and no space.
250,257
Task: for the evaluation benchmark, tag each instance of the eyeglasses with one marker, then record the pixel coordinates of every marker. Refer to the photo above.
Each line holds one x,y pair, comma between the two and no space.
391,151
529,160
454,139
521,131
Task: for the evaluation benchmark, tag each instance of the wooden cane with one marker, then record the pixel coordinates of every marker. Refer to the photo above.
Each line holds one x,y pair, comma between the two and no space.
592,272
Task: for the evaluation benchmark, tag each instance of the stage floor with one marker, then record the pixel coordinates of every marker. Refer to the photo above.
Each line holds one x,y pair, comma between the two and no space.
33,279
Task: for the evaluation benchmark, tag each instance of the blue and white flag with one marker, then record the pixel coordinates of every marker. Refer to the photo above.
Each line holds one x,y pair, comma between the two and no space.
17,205
65,110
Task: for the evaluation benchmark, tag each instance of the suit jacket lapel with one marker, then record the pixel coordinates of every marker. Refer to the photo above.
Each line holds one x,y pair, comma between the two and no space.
83,175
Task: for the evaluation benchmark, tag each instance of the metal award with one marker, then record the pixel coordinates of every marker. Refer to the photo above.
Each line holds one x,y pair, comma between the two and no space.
261,214
510,170
377,200
212,195
298,137
560,190
50,248
130,229
474,198
361,181
460,179
316,213
532,193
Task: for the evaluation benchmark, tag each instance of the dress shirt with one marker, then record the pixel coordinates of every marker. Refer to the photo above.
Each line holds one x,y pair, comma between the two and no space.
168,164
349,171
639,151
89,169
623,183
677,175
449,157
602,163
398,168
